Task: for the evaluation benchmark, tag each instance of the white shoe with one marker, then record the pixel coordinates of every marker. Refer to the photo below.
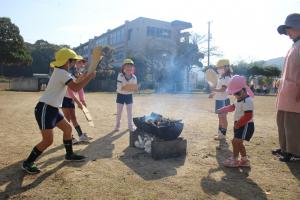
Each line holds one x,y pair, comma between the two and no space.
84,138
220,136
74,140
132,128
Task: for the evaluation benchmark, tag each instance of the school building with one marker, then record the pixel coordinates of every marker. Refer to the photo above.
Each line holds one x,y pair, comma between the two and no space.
141,35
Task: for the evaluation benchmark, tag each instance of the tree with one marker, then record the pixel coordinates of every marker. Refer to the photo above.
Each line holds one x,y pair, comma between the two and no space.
188,57
202,41
106,70
42,53
12,48
241,68
271,71
142,67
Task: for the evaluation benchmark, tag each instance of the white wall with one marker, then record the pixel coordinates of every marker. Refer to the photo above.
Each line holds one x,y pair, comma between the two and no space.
24,84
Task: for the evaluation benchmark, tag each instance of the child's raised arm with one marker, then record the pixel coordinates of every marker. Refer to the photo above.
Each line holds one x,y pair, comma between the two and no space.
77,85
226,109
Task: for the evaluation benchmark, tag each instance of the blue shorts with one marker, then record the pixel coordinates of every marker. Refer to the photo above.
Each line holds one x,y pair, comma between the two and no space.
221,104
124,98
68,103
245,132
47,116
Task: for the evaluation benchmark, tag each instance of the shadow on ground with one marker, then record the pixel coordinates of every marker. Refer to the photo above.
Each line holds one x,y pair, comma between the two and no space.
13,177
147,168
234,183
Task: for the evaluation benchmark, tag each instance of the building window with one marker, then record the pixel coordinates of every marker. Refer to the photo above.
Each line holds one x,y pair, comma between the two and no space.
101,41
158,32
117,36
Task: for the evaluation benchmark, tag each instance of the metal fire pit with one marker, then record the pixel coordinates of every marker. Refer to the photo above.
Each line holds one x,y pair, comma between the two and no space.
160,127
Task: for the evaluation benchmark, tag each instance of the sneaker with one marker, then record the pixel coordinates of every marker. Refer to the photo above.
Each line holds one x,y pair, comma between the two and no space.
74,140
132,129
231,162
295,158
244,162
90,138
74,157
285,158
30,168
277,152
84,138
220,136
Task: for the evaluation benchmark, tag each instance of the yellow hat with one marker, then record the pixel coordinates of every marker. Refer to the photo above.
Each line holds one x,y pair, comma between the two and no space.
63,55
223,63
128,61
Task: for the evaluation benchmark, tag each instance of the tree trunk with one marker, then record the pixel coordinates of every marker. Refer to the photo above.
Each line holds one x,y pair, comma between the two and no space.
188,78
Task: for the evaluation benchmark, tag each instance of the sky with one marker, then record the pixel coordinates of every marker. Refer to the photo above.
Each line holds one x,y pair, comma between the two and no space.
241,29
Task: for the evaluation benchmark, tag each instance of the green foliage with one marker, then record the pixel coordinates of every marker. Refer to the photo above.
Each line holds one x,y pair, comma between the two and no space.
107,60
188,57
107,72
12,48
142,67
42,54
255,69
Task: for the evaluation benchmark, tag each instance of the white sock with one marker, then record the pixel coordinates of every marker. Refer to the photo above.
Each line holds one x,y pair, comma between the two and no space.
119,115
129,116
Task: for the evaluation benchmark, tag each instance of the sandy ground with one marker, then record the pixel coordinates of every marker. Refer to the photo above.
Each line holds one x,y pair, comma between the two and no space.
115,171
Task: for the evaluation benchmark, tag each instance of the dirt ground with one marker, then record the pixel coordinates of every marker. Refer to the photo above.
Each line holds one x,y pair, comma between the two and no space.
115,171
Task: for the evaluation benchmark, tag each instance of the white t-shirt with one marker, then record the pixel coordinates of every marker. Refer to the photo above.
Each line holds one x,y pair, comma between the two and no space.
73,77
242,106
56,88
122,81
222,81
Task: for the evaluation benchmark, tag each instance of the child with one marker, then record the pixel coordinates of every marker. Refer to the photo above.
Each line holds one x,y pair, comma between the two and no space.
243,120
81,69
224,70
68,106
47,113
125,77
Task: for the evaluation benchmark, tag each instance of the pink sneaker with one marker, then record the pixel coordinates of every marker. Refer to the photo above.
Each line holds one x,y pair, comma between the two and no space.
244,162
231,162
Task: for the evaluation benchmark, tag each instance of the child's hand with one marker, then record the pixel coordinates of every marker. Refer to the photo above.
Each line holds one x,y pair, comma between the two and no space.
83,103
80,106
236,125
212,89
211,95
93,74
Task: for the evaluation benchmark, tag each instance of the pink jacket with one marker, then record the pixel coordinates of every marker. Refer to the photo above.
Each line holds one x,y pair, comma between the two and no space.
290,81
80,94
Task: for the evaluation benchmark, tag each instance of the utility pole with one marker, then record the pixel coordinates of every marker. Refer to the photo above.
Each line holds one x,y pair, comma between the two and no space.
208,44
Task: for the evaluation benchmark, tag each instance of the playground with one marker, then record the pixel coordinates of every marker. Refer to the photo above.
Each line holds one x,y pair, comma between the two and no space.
114,170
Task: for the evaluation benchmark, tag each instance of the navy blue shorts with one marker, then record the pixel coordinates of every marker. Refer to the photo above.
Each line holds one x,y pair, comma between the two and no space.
124,98
68,103
47,116
221,104
245,132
